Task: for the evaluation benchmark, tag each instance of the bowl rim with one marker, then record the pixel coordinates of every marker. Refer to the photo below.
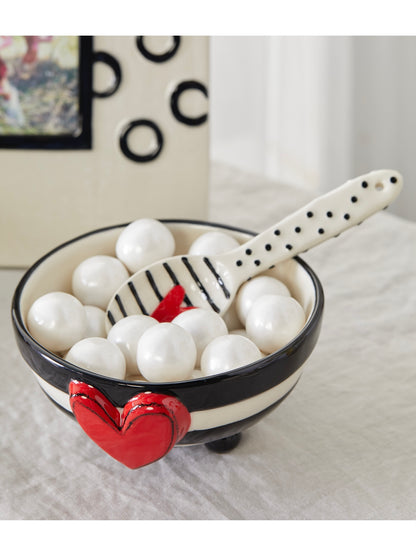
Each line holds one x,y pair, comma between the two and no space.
311,323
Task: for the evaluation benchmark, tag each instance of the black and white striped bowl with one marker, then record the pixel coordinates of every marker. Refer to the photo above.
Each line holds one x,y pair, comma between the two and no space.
220,406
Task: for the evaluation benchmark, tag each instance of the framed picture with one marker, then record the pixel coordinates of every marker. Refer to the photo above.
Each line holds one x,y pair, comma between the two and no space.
98,131
45,92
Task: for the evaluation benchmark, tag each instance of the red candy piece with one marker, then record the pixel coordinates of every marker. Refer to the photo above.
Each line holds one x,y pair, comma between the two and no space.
170,306
147,429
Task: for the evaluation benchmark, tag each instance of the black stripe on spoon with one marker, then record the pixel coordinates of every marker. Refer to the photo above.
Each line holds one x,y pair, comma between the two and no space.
213,282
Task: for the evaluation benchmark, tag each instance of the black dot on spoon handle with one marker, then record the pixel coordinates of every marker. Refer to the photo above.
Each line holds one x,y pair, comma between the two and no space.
354,199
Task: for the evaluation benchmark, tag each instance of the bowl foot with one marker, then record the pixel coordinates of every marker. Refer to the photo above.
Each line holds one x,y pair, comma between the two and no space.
225,444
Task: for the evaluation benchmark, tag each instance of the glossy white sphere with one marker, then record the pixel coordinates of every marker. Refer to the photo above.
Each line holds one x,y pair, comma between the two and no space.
213,242
228,352
97,278
57,320
244,333
254,289
98,355
273,321
166,352
126,334
95,322
204,325
144,241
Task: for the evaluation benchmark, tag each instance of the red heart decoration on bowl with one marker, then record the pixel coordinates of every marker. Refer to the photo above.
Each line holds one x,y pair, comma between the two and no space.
147,428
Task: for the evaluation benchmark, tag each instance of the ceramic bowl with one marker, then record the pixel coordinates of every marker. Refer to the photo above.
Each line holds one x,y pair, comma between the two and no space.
139,422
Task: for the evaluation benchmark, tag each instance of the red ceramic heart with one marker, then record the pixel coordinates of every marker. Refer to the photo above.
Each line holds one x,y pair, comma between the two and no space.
148,427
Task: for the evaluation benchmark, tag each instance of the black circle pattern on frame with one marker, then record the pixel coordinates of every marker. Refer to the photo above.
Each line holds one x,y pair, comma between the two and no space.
141,157
174,99
109,60
174,102
158,58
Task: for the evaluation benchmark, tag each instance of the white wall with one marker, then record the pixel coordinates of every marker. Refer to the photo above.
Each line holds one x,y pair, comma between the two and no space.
316,111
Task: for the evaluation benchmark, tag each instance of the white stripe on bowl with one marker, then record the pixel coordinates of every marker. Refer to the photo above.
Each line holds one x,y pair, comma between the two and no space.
54,393
211,418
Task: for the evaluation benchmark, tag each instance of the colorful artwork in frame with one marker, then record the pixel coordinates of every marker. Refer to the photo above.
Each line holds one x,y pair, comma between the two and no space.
45,92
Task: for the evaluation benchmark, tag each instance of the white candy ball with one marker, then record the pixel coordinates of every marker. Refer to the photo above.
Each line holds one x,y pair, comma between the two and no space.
166,352
254,289
273,321
95,322
57,320
126,334
204,325
143,242
228,352
213,242
98,355
97,278
243,332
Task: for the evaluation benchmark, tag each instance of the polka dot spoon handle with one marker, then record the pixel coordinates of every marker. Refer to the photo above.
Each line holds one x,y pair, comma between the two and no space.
325,217
212,282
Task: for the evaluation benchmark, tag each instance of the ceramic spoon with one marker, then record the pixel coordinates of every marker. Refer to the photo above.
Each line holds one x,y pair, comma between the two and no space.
212,282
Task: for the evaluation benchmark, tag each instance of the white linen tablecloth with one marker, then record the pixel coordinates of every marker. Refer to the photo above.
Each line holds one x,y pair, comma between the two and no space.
341,446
